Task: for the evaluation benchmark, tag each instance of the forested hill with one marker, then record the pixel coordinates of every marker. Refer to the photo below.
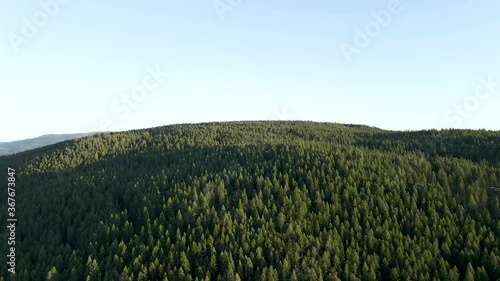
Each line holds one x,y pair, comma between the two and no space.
259,201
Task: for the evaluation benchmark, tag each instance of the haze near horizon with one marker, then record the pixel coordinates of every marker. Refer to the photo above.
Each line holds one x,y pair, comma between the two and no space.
74,66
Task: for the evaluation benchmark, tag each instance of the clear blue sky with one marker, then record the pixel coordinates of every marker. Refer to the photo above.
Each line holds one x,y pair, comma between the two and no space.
260,60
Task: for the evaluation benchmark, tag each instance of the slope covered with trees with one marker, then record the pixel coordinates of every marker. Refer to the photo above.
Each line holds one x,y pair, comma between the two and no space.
259,201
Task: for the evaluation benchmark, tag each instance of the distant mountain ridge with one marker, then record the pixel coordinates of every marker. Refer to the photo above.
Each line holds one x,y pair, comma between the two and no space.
7,148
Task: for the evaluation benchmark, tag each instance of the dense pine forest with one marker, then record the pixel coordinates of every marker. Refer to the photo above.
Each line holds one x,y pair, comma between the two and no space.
287,200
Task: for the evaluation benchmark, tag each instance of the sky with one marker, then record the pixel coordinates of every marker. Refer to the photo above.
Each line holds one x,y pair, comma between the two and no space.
72,66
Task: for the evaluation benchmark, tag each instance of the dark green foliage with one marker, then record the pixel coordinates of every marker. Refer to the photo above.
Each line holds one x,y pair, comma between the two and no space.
260,201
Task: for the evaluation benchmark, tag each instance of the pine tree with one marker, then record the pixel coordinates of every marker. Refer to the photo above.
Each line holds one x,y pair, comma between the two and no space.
53,274
469,273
